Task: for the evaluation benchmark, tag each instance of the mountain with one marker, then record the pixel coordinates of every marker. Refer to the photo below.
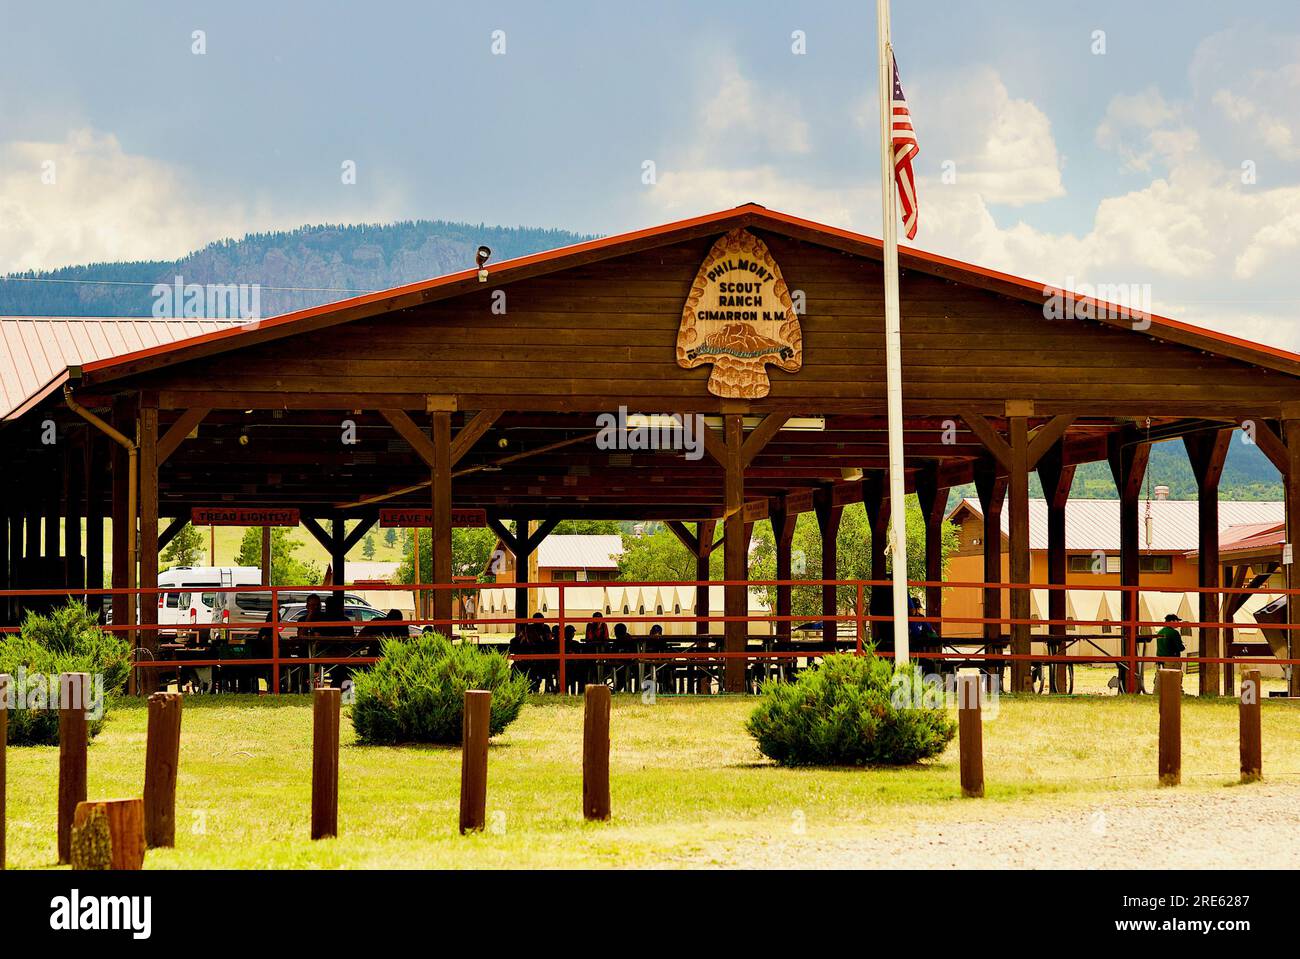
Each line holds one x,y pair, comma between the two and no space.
295,269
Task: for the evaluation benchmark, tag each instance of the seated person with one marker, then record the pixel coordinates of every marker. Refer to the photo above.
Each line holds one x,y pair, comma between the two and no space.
597,630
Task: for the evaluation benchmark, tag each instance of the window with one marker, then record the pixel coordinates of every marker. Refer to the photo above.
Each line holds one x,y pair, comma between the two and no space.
1156,564
564,576
601,575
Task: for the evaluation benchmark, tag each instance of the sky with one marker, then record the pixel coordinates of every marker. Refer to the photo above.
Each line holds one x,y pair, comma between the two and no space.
1152,144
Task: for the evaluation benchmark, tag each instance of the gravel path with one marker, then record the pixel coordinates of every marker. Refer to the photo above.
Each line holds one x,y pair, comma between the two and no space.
1248,827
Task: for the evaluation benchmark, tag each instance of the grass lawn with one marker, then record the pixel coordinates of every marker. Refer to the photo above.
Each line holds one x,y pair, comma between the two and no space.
685,776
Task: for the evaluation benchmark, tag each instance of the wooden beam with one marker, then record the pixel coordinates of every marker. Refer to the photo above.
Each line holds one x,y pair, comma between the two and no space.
364,526
1269,443
1047,436
534,539
716,447
990,437
408,430
761,435
185,424
317,532
507,538
472,432
684,536
704,531
174,527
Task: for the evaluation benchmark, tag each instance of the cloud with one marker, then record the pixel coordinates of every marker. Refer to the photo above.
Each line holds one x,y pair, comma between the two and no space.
738,111
86,199
1003,150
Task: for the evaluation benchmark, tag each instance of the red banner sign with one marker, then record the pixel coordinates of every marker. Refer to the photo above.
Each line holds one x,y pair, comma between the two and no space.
240,516
403,518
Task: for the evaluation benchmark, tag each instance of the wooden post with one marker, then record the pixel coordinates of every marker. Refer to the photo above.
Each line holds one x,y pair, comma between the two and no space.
108,834
735,559
521,571
440,535
1252,735
1291,492
595,753
1056,479
5,692
875,500
992,492
828,525
783,524
326,703
162,753
704,532
94,478
148,678
73,691
970,733
1207,452
475,727
933,500
120,575
266,556
74,567
1171,726
1018,565
1128,464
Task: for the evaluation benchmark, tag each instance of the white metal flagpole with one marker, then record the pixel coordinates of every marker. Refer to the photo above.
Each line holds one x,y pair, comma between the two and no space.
893,344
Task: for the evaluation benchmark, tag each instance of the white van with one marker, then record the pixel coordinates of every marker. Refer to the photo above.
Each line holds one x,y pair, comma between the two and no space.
190,605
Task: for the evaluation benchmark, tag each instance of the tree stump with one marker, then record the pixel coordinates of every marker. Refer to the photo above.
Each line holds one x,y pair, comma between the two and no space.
108,834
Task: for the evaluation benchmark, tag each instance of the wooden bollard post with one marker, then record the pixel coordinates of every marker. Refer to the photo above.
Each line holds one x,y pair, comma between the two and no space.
970,733
1170,686
473,759
1252,734
326,703
595,753
73,689
6,690
108,834
162,756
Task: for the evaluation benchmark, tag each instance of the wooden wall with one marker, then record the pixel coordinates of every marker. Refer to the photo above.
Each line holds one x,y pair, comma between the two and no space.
595,335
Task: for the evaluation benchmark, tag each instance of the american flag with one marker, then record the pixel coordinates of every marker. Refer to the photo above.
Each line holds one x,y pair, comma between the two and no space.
905,148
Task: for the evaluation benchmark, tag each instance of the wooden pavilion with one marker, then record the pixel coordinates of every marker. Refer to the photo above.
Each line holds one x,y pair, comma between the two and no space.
482,390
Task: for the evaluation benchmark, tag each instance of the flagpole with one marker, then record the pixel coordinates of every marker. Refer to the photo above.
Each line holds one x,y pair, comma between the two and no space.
893,338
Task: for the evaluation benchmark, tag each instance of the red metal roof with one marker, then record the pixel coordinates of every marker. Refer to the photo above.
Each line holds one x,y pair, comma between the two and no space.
35,352
749,214
1249,536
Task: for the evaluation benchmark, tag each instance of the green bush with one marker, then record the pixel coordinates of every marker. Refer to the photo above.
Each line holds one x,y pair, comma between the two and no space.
67,640
415,693
852,711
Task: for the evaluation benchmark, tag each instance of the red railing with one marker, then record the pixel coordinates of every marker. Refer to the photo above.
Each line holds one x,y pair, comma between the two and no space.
458,626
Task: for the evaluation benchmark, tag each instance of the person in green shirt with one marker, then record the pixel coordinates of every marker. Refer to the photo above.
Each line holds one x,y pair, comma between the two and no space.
1169,642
